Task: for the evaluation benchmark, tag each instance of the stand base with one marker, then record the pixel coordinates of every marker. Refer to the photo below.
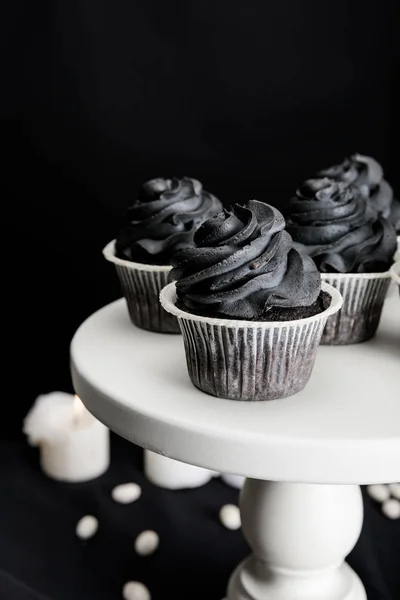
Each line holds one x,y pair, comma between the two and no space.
341,584
300,535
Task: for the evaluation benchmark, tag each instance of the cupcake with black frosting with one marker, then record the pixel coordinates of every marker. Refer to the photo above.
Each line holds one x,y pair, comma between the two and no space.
161,221
365,173
352,246
249,304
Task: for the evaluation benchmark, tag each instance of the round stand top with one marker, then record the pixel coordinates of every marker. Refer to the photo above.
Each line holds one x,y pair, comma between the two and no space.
344,427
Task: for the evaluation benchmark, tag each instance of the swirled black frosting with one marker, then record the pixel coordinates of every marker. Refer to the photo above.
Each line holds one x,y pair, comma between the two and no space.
365,173
339,229
163,219
244,264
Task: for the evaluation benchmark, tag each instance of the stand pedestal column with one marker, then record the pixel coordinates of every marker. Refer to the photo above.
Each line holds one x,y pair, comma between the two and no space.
300,535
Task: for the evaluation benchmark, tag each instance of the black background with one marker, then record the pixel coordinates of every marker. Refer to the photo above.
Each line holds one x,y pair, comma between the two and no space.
250,97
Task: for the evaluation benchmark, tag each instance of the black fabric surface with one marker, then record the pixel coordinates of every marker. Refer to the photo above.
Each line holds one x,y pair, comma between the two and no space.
42,559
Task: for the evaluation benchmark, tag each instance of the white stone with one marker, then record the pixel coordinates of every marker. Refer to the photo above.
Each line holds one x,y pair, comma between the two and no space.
134,590
126,493
379,492
394,489
230,516
87,527
147,542
391,509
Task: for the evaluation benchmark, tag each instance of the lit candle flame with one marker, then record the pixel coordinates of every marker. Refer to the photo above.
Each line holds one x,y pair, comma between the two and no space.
78,408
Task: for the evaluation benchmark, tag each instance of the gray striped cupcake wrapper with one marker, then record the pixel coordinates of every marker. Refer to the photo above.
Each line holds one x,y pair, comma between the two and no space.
248,363
358,319
141,286
142,290
258,361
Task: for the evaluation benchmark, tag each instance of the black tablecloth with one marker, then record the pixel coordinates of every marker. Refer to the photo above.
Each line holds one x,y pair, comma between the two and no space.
41,557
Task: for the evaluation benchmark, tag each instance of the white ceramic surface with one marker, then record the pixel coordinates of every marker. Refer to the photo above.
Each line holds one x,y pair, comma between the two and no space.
299,535
344,427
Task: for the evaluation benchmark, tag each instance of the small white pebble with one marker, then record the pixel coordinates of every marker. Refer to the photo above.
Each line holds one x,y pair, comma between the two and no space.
87,527
394,489
126,493
378,492
134,590
391,509
146,543
230,516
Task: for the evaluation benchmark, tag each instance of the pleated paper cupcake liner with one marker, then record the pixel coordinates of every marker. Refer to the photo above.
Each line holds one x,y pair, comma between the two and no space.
363,297
141,285
395,274
246,360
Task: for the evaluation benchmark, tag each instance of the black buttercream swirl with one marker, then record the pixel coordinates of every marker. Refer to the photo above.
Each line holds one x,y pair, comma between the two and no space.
243,264
339,229
164,219
365,173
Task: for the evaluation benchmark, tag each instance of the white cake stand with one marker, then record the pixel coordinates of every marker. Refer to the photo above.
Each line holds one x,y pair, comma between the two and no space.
304,456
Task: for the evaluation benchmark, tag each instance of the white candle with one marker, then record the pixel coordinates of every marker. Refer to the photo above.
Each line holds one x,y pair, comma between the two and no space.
74,446
173,474
235,481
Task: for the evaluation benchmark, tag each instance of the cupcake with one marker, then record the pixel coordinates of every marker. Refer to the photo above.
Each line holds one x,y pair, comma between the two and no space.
161,221
365,173
352,246
249,304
